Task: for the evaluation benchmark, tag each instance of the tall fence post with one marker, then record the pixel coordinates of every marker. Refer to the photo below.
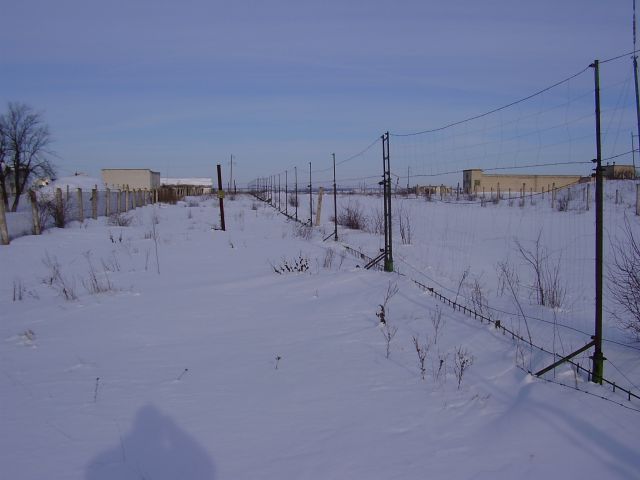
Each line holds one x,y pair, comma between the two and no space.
60,209
107,203
94,203
638,199
319,207
221,198
310,198
335,201
295,172
35,212
388,224
80,206
126,198
4,230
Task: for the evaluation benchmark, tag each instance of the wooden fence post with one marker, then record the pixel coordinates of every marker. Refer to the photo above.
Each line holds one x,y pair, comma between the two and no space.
94,203
35,213
638,199
60,210
553,196
133,199
80,206
107,204
319,207
126,198
4,230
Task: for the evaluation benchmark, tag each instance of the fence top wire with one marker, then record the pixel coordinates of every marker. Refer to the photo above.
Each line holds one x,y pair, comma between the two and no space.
495,110
348,159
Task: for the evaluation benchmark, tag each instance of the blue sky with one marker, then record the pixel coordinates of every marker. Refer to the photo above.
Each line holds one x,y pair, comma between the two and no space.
180,86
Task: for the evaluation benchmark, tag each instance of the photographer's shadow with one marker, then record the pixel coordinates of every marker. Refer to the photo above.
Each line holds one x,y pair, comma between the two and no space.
154,448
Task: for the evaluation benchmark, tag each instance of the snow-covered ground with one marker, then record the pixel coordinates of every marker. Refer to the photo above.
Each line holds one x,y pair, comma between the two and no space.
170,349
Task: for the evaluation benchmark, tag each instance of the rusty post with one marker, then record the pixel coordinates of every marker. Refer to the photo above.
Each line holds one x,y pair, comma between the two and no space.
221,197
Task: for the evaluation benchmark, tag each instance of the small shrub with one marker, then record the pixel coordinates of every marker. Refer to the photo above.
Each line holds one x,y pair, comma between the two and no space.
404,224
376,223
438,322
296,265
462,361
352,217
56,280
120,220
421,352
546,273
50,211
95,285
392,290
293,200
563,203
304,231
479,302
388,332
328,258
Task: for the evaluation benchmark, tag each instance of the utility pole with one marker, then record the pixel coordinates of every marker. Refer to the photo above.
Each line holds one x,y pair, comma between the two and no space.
386,184
635,77
295,171
335,201
598,357
633,155
310,198
286,192
221,198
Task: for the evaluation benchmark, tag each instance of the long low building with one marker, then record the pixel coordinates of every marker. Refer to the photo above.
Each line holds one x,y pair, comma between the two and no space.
475,180
133,178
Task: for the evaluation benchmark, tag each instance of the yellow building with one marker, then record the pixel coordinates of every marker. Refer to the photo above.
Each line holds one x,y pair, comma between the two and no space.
134,178
474,181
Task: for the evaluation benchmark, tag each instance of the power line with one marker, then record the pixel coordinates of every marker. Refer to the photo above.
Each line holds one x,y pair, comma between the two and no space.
533,165
618,57
495,109
352,157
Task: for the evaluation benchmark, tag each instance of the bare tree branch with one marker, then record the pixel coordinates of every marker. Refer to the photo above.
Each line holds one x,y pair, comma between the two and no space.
24,142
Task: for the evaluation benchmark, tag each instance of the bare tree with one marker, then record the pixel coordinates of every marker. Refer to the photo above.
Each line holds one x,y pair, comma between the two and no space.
624,279
24,142
547,283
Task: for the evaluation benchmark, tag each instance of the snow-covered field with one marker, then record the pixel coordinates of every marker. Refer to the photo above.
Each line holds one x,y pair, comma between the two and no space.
168,349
